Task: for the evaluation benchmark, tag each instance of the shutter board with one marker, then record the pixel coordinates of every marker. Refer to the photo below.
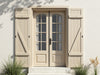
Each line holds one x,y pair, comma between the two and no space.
23,60
22,13
22,27
75,13
74,37
74,61
22,38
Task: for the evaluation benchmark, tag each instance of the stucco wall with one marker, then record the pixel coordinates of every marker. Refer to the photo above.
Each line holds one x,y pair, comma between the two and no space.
91,11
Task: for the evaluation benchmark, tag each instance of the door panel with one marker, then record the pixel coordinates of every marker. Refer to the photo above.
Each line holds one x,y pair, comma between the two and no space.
56,34
41,50
49,32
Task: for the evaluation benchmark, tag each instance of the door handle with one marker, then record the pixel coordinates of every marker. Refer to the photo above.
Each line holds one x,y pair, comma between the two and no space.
49,41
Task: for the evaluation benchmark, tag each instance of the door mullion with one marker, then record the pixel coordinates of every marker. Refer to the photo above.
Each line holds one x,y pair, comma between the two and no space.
49,38
50,53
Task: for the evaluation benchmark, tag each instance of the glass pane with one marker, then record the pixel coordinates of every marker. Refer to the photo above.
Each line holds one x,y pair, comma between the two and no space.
54,36
43,27
43,45
59,19
38,18
54,18
43,36
60,37
38,36
54,45
54,27
57,36
38,27
60,46
60,27
57,27
43,18
38,46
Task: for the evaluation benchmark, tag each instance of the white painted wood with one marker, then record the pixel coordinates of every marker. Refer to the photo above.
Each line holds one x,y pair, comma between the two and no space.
75,36
22,13
22,36
57,58
40,57
48,57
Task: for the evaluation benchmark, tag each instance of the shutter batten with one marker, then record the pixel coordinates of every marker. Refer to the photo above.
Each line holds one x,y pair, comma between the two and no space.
75,13
74,37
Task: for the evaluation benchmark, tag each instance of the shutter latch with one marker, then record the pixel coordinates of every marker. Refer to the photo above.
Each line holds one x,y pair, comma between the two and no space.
15,36
82,36
28,36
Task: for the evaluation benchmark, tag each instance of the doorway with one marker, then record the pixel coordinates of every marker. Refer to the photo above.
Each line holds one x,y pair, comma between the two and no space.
49,39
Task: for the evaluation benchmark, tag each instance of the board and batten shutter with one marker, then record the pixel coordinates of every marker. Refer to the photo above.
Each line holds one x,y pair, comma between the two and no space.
22,36
75,37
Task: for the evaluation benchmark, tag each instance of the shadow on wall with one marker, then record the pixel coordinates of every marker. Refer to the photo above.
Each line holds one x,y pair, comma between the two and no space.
10,5
1,26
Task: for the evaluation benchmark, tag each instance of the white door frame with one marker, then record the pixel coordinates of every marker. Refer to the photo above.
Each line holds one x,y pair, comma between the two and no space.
33,33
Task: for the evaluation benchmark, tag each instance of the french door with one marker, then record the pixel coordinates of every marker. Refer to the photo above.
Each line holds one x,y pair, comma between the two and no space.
49,39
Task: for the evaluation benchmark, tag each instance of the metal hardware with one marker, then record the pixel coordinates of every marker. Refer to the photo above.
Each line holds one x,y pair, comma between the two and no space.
28,36
49,41
15,36
82,36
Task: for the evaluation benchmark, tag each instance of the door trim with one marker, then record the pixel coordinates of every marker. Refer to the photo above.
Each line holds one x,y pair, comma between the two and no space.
64,10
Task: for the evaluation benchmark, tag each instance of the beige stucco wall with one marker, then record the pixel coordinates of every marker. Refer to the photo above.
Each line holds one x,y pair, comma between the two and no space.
91,24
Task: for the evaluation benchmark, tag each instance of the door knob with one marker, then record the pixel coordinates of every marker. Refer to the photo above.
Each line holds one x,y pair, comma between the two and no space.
49,41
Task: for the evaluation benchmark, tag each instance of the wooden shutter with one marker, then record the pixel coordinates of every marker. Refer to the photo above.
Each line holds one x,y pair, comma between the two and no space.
74,37
22,36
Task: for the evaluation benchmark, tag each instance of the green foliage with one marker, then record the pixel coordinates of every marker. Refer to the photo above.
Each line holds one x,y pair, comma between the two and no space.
12,68
81,70
95,70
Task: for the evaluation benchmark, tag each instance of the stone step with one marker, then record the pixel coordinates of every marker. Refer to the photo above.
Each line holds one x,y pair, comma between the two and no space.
49,70
49,74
